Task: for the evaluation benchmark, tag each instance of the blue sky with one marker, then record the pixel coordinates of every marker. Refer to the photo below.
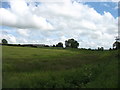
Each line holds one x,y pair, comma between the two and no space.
92,23
100,7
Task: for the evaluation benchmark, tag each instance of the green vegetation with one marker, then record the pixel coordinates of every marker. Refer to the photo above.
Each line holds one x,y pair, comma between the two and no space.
4,41
71,43
27,67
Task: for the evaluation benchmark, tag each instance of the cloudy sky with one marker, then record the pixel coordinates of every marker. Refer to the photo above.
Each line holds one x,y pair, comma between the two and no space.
92,24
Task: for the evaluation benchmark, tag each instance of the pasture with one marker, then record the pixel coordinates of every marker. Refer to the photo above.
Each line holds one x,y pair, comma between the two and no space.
27,67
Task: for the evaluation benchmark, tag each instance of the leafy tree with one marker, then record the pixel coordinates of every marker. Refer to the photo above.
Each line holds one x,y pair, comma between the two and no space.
53,45
89,48
100,48
4,41
46,46
110,49
116,44
60,44
71,43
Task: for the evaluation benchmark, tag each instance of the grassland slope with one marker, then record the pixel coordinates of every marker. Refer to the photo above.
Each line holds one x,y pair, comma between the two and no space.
26,67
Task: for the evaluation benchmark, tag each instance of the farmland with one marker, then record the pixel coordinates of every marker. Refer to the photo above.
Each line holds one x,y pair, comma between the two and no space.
27,67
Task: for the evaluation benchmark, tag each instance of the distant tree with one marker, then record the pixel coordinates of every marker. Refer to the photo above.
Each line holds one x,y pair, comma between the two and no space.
110,49
100,48
71,43
46,46
116,44
60,44
4,41
89,48
83,48
53,45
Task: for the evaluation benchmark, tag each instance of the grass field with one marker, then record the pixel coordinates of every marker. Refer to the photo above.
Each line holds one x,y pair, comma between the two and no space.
27,67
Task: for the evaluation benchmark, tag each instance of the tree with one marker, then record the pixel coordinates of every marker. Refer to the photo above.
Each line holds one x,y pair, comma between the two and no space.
89,48
60,44
53,45
100,48
71,43
116,44
4,41
110,49
46,46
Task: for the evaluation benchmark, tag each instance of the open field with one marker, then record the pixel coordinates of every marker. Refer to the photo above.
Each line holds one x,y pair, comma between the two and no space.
26,67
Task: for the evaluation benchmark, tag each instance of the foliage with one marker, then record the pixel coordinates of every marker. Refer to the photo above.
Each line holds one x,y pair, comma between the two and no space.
4,41
71,43
53,45
100,48
116,45
60,44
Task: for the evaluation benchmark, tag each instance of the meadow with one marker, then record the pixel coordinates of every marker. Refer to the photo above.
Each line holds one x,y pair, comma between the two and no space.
27,67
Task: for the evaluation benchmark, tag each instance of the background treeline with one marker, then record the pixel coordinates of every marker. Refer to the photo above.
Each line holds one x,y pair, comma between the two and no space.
70,43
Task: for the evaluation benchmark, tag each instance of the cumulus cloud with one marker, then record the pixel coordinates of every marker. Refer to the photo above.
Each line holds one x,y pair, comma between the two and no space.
50,23
10,38
19,16
23,32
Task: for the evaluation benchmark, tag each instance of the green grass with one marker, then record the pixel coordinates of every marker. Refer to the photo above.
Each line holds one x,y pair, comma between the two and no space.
26,67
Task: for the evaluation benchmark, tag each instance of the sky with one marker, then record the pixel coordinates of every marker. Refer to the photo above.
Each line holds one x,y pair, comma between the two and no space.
92,24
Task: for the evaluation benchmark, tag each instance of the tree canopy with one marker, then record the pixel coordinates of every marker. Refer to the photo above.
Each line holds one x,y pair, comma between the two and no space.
60,44
116,44
71,43
4,41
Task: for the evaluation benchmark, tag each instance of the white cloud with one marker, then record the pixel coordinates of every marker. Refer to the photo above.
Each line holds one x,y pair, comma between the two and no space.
23,32
19,16
62,21
7,18
9,37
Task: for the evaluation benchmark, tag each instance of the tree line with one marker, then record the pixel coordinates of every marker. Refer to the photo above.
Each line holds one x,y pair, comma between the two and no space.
70,43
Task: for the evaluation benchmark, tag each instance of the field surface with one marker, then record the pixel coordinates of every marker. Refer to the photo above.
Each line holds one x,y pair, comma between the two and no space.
27,67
